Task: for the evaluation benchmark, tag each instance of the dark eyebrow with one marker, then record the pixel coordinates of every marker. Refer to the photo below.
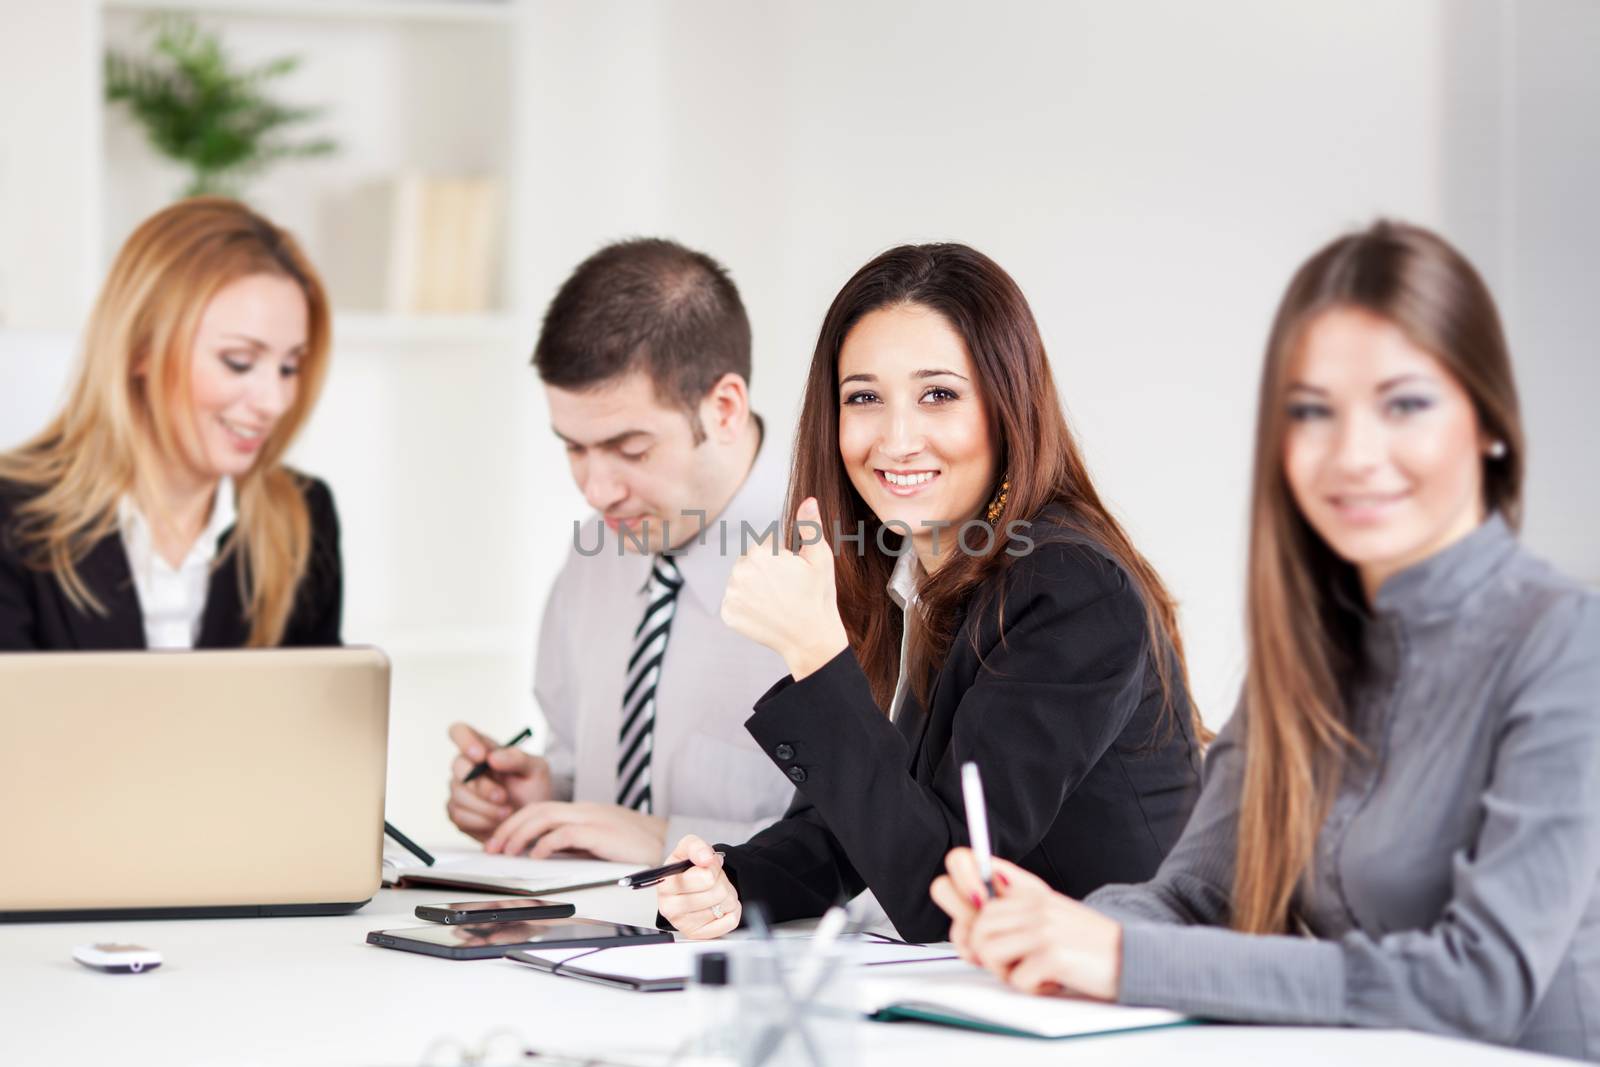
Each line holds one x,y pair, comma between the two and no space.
918,374
614,441
1307,388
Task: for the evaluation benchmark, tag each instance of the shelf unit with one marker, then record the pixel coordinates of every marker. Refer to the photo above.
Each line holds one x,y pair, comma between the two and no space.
461,11
368,328
413,88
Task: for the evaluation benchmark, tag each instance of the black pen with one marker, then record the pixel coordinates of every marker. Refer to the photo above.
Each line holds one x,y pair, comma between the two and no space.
410,845
482,766
645,879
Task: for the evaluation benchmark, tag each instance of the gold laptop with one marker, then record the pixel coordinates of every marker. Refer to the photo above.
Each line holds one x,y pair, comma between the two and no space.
179,784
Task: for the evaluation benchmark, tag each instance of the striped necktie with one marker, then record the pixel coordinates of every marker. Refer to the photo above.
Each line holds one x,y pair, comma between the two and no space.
639,699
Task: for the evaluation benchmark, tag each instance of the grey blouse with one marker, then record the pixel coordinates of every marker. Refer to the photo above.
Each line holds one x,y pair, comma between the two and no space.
1456,882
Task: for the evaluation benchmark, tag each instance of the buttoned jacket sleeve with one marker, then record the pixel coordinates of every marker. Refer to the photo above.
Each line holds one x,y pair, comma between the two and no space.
1055,688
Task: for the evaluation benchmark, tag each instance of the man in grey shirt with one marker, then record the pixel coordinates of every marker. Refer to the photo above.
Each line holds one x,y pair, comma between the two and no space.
645,358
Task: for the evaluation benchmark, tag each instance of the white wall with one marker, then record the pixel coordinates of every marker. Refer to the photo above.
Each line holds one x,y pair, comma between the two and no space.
49,155
1150,173
1523,157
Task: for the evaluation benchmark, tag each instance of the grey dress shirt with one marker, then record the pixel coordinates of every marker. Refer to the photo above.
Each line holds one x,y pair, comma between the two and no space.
1454,885
708,777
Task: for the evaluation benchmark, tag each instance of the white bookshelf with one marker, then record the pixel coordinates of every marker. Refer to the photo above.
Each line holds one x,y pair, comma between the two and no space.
465,11
363,329
413,90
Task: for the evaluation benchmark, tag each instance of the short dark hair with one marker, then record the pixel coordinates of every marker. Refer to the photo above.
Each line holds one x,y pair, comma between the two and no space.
650,304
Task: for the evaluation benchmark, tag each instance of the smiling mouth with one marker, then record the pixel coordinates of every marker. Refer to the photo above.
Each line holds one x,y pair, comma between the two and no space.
905,483
1365,505
243,433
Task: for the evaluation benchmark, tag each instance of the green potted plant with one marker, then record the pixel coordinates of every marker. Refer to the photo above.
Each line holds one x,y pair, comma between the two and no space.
199,111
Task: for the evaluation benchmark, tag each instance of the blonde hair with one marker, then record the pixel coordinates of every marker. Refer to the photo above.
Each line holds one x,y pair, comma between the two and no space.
127,414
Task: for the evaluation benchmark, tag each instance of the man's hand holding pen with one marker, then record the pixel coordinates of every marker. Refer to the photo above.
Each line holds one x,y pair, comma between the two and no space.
514,780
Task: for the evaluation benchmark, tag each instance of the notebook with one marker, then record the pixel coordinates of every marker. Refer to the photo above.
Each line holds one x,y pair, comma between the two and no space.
482,872
663,968
961,995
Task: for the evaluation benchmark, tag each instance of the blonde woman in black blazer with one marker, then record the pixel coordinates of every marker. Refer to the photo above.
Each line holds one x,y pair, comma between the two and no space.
163,472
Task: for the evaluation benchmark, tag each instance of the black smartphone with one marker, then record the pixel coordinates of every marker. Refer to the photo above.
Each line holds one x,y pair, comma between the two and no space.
464,942
494,911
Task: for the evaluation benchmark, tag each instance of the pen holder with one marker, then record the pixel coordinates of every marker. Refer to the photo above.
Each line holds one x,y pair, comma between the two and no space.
796,1008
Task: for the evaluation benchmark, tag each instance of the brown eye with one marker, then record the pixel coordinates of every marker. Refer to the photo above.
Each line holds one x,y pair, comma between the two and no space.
1408,405
1305,412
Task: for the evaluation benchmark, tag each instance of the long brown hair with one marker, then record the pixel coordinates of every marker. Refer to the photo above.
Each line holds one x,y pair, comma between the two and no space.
1303,638
1036,452
127,414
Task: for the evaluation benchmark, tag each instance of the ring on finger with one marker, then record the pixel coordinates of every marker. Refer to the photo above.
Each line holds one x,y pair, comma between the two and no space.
716,911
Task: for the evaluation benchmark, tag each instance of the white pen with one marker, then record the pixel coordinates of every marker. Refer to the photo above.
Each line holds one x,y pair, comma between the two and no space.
822,939
977,822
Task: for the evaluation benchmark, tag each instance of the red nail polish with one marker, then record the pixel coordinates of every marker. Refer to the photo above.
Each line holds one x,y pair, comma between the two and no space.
1005,883
977,901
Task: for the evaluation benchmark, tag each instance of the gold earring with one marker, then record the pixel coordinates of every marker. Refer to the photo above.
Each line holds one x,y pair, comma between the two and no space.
998,504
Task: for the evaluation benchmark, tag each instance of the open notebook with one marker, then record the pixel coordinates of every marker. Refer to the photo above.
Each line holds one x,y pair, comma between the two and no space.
481,872
662,968
961,995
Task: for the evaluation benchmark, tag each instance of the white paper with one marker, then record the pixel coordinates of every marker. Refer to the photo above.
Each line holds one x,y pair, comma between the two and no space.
676,960
965,992
511,871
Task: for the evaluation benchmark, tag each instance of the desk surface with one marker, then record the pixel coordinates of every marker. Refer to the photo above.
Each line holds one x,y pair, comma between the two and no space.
311,991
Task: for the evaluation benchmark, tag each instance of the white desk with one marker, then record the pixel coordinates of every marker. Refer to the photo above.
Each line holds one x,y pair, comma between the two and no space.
310,991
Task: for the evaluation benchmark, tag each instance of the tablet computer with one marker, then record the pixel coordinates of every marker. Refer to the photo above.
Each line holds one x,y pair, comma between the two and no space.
490,941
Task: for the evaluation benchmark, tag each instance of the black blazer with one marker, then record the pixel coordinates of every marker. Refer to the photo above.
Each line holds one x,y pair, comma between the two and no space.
35,614
1084,782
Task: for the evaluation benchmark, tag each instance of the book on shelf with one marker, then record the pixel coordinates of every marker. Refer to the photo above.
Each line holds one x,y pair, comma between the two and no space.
416,244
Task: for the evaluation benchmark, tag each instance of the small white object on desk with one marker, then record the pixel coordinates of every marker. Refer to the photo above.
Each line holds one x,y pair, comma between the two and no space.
117,959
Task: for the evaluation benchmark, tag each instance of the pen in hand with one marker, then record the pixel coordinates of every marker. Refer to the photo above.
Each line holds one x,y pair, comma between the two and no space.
977,823
481,768
656,875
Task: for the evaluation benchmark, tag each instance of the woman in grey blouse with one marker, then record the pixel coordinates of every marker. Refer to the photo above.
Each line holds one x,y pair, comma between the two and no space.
1400,826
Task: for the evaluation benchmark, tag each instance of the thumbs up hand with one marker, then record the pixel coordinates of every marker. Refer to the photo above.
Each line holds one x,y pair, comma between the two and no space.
786,600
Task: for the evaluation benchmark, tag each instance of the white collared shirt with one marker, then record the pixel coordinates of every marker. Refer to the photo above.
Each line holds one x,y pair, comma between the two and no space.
903,591
707,775
173,599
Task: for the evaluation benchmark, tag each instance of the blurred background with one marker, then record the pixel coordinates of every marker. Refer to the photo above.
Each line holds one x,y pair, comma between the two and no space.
1150,171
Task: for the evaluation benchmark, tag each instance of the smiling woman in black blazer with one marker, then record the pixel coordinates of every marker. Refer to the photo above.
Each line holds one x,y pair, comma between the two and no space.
933,466
154,510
